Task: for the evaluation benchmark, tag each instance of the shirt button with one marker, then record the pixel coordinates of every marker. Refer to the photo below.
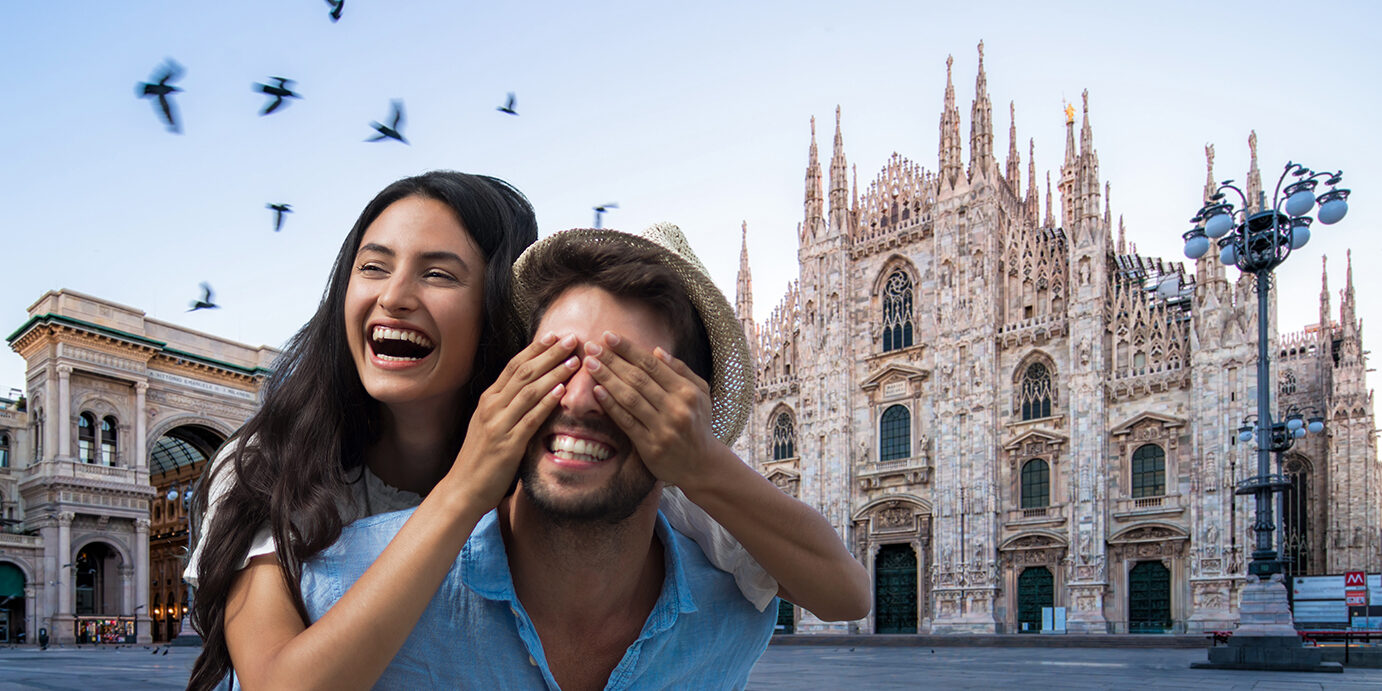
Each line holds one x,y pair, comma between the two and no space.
532,661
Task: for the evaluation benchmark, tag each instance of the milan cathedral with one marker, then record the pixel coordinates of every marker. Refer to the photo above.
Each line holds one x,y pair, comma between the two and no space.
1004,407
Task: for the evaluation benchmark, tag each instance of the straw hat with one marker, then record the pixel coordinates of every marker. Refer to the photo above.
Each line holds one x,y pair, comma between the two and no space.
731,390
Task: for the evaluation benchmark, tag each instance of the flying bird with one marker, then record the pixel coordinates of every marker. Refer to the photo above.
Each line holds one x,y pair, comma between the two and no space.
508,107
161,89
600,212
205,303
279,210
336,7
391,130
279,92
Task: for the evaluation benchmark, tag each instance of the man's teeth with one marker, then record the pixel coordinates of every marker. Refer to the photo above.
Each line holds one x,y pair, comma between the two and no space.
572,448
384,333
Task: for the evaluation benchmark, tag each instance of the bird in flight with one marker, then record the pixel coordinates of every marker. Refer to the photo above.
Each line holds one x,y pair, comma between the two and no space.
161,89
279,210
508,106
279,92
600,212
336,7
391,130
206,301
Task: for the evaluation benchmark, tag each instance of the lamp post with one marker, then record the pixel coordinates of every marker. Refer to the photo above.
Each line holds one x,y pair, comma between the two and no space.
1257,242
186,636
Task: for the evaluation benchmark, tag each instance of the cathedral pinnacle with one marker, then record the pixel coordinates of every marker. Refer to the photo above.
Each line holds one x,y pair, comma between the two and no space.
743,297
1014,165
839,181
1209,184
980,124
1254,175
1050,219
1031,200
1325,316
814,203
950,157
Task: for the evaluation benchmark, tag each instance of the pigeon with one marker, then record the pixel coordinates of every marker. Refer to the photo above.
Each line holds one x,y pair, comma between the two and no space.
336,7
155,652
205,303
390,131
600,212
161,89
508,106
165,650
279,93
279,210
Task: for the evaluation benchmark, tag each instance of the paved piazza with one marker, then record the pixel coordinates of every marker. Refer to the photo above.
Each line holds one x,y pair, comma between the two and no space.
783,667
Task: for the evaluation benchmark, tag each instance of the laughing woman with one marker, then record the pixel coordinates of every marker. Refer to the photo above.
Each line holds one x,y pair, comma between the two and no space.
407,388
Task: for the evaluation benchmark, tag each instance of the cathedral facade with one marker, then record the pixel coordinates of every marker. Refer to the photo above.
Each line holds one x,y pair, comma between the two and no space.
1004,410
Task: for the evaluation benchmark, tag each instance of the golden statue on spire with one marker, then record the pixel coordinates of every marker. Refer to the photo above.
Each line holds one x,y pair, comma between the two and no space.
1069,113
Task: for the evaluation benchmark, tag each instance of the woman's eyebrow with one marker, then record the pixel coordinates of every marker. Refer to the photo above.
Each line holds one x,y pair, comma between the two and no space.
433,256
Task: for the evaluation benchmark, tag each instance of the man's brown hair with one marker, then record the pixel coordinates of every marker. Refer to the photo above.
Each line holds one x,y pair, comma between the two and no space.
630,273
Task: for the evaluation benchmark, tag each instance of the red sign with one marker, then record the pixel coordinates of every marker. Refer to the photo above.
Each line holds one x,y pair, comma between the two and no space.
1355,579
1356,598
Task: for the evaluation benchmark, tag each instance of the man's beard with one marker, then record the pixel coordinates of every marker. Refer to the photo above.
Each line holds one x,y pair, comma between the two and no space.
612,503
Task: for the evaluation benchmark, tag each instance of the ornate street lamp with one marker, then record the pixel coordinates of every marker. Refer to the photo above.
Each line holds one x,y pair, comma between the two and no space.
1257,242
186,635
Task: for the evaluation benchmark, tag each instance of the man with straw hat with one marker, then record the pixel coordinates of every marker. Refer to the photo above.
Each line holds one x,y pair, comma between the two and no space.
577,580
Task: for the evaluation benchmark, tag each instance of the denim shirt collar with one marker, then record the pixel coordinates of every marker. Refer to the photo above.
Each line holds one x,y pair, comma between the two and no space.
485,571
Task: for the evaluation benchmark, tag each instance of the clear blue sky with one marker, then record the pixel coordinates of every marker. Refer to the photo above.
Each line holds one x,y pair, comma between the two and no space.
692,112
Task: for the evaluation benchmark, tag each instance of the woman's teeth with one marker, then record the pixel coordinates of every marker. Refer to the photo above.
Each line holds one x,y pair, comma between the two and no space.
399,345
575,449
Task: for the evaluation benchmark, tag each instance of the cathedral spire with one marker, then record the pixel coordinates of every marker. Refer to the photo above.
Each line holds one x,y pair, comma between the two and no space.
743,293
1014,165
839,183
1326,317
815,213
1050,219
950,132
1122,236
1208,268
981,159
1254,175
1031,200
1108,213
1209,184
1348,309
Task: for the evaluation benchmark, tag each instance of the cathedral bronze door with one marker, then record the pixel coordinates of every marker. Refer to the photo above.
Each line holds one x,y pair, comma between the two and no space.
1149,598
1035,589
895,590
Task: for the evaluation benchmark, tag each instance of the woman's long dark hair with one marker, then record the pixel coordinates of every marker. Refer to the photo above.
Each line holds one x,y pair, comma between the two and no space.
291,459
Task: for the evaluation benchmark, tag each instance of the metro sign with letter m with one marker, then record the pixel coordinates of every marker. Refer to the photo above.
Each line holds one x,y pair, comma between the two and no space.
1355,579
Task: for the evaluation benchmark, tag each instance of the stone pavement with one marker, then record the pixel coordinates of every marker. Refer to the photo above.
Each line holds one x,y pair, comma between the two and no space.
860,668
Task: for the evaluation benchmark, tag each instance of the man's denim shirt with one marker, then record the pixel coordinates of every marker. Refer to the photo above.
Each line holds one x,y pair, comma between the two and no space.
701,634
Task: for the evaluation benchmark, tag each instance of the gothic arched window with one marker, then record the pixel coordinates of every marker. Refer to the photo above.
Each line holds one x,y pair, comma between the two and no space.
1036,484
895,434
1034,393
1148,471
897,311
4,450
784,444
86,437
1288,383
108,441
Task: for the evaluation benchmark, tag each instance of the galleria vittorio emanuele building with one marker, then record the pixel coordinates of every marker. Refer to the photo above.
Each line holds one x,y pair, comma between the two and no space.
1003,407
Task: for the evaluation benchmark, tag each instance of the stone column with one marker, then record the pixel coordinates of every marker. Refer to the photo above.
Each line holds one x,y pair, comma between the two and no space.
62,630
141,580
141,433
31,617
63,423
